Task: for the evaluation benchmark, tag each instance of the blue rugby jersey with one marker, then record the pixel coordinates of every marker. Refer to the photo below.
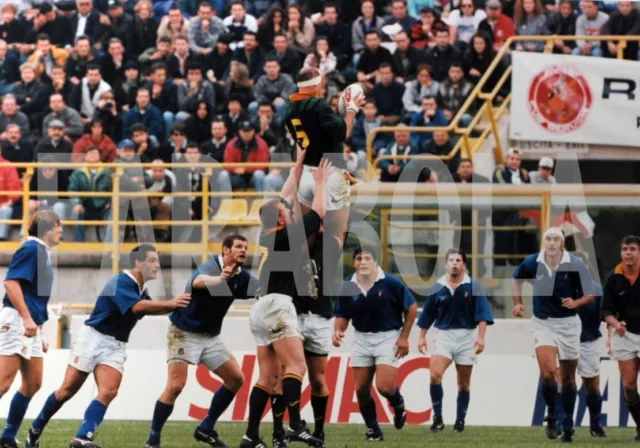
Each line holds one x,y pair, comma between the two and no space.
31,267
456,309
590,317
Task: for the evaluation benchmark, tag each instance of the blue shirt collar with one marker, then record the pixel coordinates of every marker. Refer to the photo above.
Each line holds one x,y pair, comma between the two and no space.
380,276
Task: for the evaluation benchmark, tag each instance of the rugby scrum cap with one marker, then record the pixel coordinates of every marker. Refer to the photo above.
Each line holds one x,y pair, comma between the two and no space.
554,231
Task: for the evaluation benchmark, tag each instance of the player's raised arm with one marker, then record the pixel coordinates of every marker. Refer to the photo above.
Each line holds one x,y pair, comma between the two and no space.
161,306
289,190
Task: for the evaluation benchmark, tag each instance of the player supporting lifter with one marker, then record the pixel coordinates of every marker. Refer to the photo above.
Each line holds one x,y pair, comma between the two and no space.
28,285
561,284
383,311
100,346
194,338
273,320
457,304
621,311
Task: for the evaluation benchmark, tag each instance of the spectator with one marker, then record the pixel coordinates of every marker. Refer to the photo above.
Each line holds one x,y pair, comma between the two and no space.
464,23
146,113
205,29
127,91
430,116
530,20
49,22
442,55
466,175
113,63
59,84
399,16
406,58
86,95
217,64
29,94
423,34
544,175
417,89
164,95
251,55
154,55
240,85
326,63
9,69
145,28
288,58
391,170
590,24
51,180
415,7
12,30
160,206
372,59
388,96
274,87
497,25
45,57
368,21
511,173
92,178
351,158
269,126
16,149
96,137
337,33
79,59
147,146
181,58
107,113
215,147
478,58
198,125
173,24
625,21
190,180
284,152
85,21
563,23
73,126
53,143
195,90
117,24
271,25
235,116
238,23
11,115
454,92
299,29
364,124
247,147
176,144
442,145
9,181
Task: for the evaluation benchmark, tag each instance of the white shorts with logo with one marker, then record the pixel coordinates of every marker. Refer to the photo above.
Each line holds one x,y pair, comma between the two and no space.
316,332
624,348
589,362
562,333
456,345
90,348
196,348
12,338
273,318
374,349
338,188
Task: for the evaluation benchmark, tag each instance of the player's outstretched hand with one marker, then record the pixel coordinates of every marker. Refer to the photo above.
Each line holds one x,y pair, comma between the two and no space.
422,346
322,173
227,272
182,301
402,347
337,338
622,328
30,327
569,304
518,310
479,345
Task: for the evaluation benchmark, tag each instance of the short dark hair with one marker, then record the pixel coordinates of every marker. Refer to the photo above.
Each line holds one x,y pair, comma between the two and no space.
265,103
457,65
41,222
139,253
366,249
250,33
237,2
271,59
279,35
93,66
460,252
441,28
194,66
331,5
115,40
191,145
404,2
82,37
630,239
43,36
144,89
158,66
465,160
370,100
91,148
372,31
165,39
228,241
385,65
429,97
206,4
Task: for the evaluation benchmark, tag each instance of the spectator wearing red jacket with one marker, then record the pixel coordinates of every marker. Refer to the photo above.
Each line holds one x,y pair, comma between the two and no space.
9,181
246,148
498,25
96,137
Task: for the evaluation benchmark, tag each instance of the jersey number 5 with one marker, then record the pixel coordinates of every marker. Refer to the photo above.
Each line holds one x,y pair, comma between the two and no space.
301,137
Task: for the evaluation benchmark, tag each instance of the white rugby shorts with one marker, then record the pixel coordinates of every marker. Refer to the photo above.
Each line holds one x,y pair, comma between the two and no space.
456,345
562,333
273,318
12,338
196,348
375,349
338,188
589,362
624,348
316,332
90,348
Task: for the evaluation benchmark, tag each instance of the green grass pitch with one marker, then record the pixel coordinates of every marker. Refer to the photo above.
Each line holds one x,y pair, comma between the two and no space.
121,434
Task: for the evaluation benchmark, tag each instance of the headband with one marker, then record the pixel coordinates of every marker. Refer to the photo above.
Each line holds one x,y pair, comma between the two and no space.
311,83
555,232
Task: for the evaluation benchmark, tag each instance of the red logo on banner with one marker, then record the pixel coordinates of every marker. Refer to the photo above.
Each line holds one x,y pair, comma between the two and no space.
560,99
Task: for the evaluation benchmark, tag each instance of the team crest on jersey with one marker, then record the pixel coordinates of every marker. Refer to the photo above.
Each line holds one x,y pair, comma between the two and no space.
379,293
75,360
180,351
5,329
24,350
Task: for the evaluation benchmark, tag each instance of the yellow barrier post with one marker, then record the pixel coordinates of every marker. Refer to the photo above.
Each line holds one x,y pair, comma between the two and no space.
474,242
205,215
115,221
26,189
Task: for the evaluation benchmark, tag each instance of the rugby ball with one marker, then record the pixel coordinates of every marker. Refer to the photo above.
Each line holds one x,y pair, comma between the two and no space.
346,98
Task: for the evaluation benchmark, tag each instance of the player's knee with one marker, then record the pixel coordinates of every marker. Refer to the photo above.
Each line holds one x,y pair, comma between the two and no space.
107,394
547,376
363,394
464,385
436,377
175,387
630,393
386,388
235,382
30,388
317,383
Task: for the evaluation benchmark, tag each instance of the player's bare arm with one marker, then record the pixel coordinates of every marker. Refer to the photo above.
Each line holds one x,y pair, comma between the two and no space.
352,111
618,326
573,304
160,307
518,307
290,188
482,331
422,341
211,281
339,328
14,291
402,345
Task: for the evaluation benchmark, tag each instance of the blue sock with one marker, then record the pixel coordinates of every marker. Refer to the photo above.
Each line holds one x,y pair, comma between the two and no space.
396,400
594,403
18,408
436,398
559,410
369,414
568,405
161,414
549,393
219,403
463,405
93,416
51,406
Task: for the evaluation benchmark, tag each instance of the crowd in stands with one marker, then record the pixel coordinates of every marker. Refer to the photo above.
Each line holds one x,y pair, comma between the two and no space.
175,80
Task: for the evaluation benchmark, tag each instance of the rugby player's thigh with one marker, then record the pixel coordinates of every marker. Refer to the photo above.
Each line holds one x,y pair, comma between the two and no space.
274,318
625,348
567,333
589,362
307,187
465,354
384,348
316,331
339,190
12,339
215,353
184,346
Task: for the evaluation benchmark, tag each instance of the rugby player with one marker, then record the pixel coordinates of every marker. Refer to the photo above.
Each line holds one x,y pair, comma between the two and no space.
456,305
383,311
28,290
100,346
194,337
621,311
273,319
561,284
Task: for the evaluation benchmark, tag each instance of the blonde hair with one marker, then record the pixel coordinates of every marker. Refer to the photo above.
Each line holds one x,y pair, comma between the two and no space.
240,74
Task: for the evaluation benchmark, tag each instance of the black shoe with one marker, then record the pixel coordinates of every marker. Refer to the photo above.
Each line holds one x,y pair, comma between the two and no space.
8,443
152,445
374,436
303,435
81,442
209,438
552,428
278,440
33,438
598,432
319,435
458,426
437,425
399,417
246,442
567,437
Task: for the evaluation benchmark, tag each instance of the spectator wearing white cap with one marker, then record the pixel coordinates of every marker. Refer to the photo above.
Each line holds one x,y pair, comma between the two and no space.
544,174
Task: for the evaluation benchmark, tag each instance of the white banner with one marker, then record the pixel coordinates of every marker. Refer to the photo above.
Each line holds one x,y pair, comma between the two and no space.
575,99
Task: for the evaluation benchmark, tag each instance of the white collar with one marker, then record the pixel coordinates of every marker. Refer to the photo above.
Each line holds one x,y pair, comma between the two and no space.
221,263
380,276
140,288
443,281
541,259
39,241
